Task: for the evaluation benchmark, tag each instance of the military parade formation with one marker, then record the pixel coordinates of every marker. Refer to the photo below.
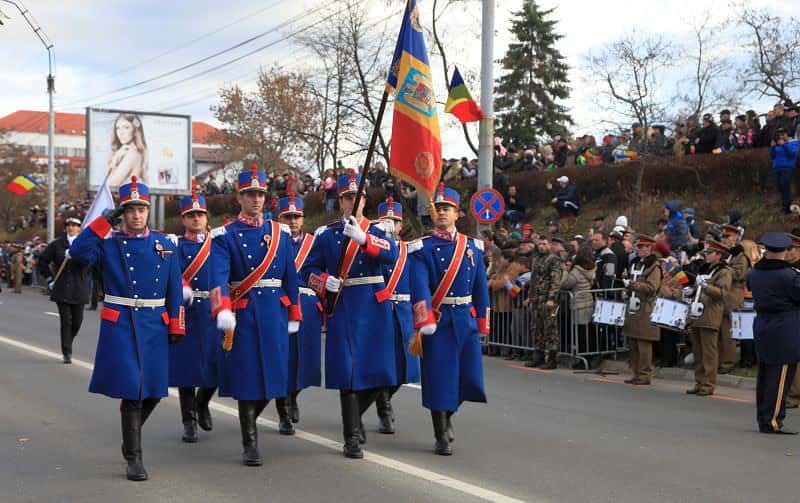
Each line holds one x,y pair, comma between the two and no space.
240,310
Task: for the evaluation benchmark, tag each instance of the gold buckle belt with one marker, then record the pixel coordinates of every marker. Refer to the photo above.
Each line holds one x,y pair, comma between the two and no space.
126,301
200,294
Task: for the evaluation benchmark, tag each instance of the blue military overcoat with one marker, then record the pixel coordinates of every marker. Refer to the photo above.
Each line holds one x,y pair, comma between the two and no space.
194,361
776,297
452,369
403,318
359,348
131,360
257,366
305,347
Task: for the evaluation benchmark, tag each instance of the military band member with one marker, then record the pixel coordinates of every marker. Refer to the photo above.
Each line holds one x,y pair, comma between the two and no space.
715,280
740,266
545,284
359,351
304,347
398,292
776,294
255,278
644,281
451,311
194,363
793,257
142,313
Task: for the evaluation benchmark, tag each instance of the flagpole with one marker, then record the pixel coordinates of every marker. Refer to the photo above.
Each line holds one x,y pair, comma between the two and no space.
330,306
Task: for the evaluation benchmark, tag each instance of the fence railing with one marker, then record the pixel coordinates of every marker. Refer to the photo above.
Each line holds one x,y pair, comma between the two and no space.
512,326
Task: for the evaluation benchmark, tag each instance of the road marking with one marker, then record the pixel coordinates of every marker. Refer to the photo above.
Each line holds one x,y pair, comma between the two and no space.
384,461
413,385
730,398
530,369
51,313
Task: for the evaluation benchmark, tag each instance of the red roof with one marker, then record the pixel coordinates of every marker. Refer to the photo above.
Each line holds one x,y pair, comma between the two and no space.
28,121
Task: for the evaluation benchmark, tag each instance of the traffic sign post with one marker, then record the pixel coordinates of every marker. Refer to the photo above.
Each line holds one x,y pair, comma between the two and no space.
487,206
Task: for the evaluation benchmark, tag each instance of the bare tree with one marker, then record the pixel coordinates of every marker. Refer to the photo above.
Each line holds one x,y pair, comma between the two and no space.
17,160
773,68
630,72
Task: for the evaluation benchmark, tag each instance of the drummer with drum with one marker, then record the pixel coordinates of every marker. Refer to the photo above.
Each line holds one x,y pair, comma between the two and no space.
643,281
711,287
734,300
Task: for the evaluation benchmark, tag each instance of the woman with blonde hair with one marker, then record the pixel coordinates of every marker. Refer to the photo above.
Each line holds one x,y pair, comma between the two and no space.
128,150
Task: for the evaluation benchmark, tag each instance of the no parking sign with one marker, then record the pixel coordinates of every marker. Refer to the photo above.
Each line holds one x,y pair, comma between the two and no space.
487,206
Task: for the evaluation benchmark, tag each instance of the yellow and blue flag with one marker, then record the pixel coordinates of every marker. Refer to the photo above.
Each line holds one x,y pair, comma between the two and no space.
416,151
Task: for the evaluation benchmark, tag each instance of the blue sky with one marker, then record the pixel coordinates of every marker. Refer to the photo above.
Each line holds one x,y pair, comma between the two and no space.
104,45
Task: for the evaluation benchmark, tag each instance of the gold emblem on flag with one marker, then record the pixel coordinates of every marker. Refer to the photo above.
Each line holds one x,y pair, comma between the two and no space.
414,18
423,164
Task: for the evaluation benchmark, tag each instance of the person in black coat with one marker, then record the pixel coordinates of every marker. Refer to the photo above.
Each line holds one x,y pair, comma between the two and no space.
706,137
70,291
776,295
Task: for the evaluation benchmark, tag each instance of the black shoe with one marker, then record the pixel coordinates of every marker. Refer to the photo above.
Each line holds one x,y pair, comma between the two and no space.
704,392
724,370
203,413
779,431
67,360
383,405
439,419
131,414
248,413
294,409
693,391
285,426
351,425
188,403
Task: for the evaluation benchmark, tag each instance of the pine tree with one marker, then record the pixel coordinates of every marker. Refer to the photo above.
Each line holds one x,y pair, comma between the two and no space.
534,80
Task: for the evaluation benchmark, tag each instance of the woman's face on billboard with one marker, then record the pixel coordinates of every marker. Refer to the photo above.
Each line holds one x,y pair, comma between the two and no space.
124,131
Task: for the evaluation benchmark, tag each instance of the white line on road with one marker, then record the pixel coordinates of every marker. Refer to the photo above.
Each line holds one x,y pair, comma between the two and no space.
51,313
384,461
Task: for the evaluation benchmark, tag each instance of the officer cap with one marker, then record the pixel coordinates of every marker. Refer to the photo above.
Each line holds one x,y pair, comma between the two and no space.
776,241
643,239
795,239
712,245
730,229
557,239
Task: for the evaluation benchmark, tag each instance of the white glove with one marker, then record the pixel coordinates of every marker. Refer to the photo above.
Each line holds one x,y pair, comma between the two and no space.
51,285
626,282
187,294
226,320
428,329
333,284
294,327
66,254
508,284
354,232
702,281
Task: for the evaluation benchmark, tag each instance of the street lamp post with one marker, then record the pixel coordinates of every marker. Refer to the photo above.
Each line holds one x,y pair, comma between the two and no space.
51,118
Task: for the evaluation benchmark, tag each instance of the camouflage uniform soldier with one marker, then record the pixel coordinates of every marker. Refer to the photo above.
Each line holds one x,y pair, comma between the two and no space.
545,284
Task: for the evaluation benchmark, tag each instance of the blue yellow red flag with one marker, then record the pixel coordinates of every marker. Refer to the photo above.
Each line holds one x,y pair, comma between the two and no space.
416,151
21,184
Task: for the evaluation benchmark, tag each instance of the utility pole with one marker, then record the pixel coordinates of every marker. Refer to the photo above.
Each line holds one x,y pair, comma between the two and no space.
51,118
486,132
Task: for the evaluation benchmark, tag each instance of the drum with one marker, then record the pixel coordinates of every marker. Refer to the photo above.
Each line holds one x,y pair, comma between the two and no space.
742,324
670,314
609,312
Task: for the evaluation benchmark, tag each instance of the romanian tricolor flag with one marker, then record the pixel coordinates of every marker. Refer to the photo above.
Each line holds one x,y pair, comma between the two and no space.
460,102
21,184
416,155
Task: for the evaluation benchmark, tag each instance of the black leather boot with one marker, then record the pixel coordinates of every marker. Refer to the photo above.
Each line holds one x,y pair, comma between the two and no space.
537,357
439,418
285,426
451,434
147,406
365,398
551,362
188,414
131,413
203,413
294,409
248,413
383,405
351,420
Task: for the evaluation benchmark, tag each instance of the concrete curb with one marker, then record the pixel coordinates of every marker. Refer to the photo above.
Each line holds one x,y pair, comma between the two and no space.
681,374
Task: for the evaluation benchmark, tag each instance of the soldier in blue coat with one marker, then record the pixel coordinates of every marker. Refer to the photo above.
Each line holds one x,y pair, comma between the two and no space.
452,370
776,296
255,278
398,292
305,346
142,313
193,363
359,352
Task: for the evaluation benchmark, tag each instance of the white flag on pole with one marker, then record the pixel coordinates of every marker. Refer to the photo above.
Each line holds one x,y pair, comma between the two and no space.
102,201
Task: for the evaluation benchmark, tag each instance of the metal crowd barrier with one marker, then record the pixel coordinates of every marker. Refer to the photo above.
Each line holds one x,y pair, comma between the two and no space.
512,327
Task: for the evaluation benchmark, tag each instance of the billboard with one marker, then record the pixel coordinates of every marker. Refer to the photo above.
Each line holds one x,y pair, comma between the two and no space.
155,147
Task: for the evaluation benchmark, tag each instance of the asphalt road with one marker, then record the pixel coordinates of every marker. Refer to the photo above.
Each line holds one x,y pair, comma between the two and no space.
544,436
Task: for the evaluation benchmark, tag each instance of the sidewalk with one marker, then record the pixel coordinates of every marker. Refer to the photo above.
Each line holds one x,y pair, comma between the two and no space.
681,374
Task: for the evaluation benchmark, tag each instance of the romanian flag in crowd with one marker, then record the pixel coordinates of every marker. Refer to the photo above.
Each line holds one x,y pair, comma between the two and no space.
460,102
21,184
515,289
674,272
416,155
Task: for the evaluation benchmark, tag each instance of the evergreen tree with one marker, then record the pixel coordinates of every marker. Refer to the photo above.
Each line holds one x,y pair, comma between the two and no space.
534,79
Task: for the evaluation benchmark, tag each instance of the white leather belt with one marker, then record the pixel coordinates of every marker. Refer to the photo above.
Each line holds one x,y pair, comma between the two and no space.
200,294
307,291
262,283
366,280
125,301
457,301
401,297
